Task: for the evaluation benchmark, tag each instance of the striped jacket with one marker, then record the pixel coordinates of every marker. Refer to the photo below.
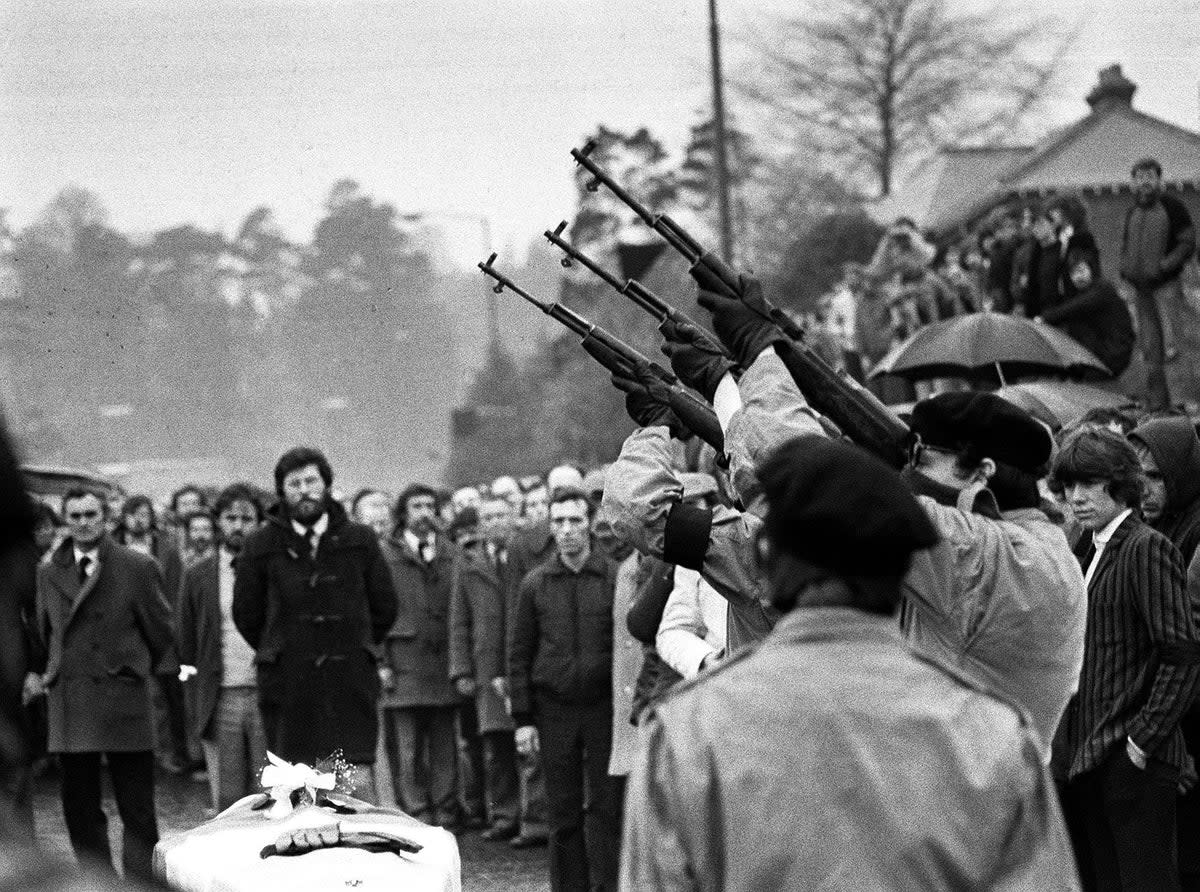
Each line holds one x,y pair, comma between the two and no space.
1140,671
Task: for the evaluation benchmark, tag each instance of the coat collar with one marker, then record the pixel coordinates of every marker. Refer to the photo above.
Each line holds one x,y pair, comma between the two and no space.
1120,534
66,579
595,565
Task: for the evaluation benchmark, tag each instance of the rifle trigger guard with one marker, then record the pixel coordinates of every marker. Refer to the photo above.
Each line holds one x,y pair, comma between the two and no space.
499,289
592,185
566,262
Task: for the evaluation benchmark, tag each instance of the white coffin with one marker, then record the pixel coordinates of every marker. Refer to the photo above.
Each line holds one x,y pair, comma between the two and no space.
224,854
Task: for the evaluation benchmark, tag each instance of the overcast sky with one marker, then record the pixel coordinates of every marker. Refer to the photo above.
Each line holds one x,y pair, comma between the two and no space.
198,110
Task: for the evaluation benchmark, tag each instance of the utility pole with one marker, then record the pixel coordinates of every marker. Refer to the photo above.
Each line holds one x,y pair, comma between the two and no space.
722,161
493,302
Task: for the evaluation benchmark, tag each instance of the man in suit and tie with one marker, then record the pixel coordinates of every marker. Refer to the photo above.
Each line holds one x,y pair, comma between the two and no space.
102,615
477,658
1141,666
226,718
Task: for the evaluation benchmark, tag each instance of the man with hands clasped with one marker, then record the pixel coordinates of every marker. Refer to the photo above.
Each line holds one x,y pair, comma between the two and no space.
560,677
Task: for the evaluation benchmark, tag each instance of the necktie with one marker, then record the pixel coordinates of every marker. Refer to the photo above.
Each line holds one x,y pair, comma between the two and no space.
85,565
311,537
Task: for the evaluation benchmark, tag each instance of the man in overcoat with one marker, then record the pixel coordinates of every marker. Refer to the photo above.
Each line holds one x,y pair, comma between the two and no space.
419,700
477,654
226,717
831,756
314,598
106,626
138,528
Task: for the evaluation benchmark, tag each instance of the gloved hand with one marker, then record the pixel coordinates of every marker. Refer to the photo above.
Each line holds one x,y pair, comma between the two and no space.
695,358
647,400
744,326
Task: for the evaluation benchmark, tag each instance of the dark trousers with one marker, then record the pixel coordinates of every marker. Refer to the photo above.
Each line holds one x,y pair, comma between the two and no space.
585,845
172,723
1128,817
470,763
1188,812
87,825
1151,304
500,778
424,762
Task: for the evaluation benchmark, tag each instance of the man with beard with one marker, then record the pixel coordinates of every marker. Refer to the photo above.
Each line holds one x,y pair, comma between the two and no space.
419,701
1156,242
314,598
226,716
1169,452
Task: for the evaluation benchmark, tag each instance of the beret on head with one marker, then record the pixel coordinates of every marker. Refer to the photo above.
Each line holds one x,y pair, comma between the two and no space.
835,506
993,426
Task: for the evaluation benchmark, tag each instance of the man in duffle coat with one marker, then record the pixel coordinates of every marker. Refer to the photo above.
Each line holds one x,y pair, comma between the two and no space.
314,598
419,701
105,622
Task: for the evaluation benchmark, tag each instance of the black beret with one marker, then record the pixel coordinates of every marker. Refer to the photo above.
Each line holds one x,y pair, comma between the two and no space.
835,506
992,425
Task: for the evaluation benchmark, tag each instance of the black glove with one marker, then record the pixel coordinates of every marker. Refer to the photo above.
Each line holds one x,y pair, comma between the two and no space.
695,358
647,400
743,325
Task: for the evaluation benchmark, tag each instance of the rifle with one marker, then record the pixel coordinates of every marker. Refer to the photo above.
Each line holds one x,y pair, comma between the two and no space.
619,357
853,408
631,288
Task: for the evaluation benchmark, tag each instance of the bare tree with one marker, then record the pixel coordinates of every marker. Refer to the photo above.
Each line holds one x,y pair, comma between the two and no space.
881,83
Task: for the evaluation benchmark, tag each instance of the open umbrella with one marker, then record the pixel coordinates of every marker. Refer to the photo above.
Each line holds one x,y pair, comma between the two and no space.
980,343
1059,403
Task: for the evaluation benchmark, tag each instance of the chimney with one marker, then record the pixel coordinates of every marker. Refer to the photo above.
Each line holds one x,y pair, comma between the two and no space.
1112,90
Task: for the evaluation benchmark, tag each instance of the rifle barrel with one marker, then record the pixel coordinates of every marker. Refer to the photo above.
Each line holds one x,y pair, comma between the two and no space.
575,254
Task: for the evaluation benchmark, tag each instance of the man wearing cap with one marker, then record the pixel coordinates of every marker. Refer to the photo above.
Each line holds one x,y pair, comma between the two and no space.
1001,597
866,767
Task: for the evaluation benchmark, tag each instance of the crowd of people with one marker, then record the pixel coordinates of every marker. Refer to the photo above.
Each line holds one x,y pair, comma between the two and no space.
781,663
1040,260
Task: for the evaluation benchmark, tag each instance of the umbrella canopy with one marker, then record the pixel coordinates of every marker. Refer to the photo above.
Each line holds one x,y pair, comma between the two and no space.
1059,403
982,343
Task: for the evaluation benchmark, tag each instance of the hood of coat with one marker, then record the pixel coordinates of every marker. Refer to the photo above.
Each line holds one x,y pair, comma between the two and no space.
1176,449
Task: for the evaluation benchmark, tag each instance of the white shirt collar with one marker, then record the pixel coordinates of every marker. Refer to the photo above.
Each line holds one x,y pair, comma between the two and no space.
225,558
319,527
1101,538
415,542
90,552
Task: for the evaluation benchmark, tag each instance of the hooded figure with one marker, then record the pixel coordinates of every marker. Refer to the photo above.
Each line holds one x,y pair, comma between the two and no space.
1172,506
1175,448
